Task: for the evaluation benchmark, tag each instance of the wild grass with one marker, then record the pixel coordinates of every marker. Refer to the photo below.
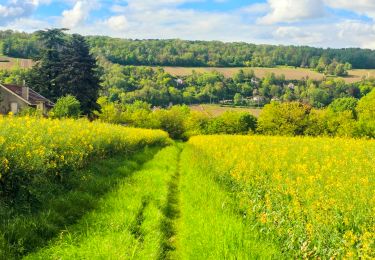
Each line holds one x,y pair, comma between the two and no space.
23,232
128,223
313,197
211,225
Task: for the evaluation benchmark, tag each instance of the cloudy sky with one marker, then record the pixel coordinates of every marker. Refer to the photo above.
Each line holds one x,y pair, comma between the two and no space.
324,23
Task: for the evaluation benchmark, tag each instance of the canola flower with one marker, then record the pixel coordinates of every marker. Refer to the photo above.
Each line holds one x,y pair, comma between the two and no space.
56,147
315,197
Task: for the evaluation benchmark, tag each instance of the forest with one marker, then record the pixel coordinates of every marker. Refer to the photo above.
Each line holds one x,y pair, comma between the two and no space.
184,53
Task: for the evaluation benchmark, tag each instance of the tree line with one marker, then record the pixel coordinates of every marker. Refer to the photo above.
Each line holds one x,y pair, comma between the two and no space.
201,53
125,84
345,117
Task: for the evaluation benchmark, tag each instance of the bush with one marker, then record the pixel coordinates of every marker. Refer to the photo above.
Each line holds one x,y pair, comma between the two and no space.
366,115
172,120
283,119
66,107
231,123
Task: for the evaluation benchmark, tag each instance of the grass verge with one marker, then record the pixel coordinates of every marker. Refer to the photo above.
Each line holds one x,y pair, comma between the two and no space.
211,226
127,222
22,232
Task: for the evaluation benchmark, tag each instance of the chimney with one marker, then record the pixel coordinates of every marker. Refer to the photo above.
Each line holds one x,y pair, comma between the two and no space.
25,91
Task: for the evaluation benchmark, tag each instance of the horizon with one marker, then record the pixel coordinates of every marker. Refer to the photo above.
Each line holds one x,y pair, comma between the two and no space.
315,23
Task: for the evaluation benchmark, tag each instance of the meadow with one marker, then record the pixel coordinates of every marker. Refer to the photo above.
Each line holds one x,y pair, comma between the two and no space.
74,189
217,110
290,73
10,63
46,181
312,197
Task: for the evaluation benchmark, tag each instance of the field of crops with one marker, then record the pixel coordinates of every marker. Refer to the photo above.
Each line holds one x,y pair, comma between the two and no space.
217,110
290,73
32,146
88,190
11,63
314,198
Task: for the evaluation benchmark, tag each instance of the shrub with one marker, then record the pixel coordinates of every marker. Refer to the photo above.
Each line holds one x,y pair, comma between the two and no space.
231,123
172,120
66,107
283,119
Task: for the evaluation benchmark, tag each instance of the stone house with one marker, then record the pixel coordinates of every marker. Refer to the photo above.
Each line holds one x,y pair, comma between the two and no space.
14,98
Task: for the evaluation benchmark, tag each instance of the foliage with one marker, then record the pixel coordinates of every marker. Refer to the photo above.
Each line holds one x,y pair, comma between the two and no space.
66,67
172,120
313,197
366,115
66,107
343,104
201,53
231,123
283,119
127,84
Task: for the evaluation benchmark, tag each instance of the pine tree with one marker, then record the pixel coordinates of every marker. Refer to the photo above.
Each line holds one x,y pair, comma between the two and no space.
48,65
66,67
79,74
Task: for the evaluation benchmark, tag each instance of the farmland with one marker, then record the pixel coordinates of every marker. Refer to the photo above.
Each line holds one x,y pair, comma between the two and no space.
10,63
289,72
71,189
314,198
216,110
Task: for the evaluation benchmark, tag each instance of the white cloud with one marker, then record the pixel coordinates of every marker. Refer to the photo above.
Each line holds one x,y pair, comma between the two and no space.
299,36
78,14
361,7
118,23
292,11
256,8
357,33
16,9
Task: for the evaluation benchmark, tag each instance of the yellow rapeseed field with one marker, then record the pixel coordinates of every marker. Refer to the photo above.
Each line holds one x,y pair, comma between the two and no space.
314,197
55,146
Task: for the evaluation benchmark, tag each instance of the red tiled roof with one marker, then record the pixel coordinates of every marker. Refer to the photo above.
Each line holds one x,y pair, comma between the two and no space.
34,97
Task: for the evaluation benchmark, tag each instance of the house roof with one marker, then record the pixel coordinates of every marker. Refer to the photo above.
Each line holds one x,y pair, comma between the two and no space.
34,97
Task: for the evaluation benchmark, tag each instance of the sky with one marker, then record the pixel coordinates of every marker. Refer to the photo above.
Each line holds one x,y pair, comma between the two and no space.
320,23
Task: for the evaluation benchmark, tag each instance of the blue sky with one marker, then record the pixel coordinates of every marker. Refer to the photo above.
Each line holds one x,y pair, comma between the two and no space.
322,23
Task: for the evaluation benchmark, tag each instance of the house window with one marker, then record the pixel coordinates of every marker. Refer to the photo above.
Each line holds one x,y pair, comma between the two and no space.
14,107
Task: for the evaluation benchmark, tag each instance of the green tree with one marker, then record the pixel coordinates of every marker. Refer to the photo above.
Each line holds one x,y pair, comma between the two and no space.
237,99
343,104
283,119
48,65
65,107
366,115
79,74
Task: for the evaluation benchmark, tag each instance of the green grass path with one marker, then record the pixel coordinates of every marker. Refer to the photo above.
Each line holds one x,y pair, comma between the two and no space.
128,224
211,225
169,209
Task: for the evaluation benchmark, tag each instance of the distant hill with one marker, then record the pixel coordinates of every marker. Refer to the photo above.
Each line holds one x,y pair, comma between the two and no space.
198,53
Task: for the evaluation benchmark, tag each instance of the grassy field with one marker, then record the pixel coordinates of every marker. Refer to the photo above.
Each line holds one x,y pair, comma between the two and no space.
217,110
290,73
313,197
214,197
129,223
10,63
